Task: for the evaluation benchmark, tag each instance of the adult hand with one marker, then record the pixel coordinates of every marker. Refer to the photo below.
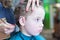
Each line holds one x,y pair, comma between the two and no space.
33,4
7,28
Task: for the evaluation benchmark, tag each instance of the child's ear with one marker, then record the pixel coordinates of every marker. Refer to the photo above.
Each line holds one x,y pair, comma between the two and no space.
22,21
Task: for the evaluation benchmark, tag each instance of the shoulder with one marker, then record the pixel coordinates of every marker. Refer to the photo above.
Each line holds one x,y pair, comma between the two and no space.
40,37
15,37
1,7
0,4
1,11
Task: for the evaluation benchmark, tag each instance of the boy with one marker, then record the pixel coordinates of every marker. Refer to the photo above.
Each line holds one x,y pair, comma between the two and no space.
31,24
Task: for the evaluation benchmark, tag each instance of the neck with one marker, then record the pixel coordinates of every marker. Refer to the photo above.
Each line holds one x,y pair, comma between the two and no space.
24,32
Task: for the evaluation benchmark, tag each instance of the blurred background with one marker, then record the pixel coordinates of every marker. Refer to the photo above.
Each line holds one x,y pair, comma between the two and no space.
52,20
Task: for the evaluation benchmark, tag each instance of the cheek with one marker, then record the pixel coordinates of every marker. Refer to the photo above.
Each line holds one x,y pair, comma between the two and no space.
29,26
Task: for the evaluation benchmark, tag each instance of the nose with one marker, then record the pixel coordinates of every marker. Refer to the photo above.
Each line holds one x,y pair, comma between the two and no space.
41,25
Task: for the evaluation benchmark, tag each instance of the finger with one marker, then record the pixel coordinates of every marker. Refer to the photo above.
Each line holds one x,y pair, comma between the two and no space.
28,5
7,31
37,2
33,4
9,27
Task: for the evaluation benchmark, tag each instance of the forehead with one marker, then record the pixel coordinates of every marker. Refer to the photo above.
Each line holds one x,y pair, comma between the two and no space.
38,12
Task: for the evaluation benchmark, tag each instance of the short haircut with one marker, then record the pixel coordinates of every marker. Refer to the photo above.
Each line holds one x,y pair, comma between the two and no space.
20,10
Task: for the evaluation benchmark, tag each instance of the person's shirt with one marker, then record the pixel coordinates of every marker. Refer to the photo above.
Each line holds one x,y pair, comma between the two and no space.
21,36
7,13
1,13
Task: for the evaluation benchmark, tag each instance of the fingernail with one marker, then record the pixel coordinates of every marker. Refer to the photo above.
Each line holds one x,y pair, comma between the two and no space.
26,11
32,10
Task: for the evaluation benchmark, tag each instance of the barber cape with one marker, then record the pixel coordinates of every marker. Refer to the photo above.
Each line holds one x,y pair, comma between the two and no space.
21,36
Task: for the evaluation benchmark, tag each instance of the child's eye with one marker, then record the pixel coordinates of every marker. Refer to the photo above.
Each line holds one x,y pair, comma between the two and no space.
37,19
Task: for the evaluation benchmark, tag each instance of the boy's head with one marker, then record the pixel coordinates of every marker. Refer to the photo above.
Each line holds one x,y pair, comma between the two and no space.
32,21
6,3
